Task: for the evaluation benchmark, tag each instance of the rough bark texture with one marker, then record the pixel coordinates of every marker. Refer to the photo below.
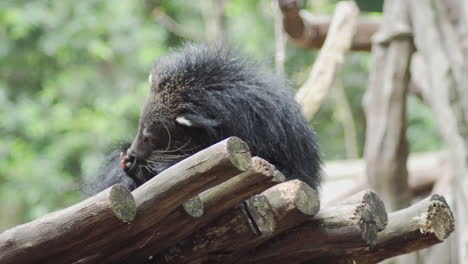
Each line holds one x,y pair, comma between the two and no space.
257,219
92,224
309,31
442,45
386,149
62,230
347,177
330,59
280,39
216,201
336,229
424,224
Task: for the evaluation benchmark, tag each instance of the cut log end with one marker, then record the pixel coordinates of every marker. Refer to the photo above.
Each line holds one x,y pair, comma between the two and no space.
260,215
295,195
307,201
239,153
373,204
438,218
194,207
122,203
371,215
278,177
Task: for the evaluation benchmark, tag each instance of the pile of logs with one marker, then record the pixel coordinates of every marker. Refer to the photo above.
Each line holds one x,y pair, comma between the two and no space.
223,206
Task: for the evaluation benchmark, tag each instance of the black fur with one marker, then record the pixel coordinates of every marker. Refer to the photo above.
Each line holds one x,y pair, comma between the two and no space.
221,95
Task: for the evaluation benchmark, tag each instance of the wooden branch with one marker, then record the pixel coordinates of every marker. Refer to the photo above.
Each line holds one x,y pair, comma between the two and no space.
310,31
386,149
216,201
172,26
62,232
330,59
353,223
419,85
422,225
345,116
280,39
344,178
31,242
259,218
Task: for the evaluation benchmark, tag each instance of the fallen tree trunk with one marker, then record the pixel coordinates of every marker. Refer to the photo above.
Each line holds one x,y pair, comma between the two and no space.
309,31
95,223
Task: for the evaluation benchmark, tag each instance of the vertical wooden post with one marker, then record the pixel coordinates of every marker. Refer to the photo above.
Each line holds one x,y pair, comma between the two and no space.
386,149
442,43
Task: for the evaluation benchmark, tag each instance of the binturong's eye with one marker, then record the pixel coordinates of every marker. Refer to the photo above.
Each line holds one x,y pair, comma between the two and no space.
146,136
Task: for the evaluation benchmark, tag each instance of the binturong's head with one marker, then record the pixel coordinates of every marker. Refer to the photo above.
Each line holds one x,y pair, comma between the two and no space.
174,121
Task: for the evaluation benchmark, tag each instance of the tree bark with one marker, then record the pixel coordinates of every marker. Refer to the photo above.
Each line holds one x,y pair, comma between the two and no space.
280,39
353,223
422,225
309,31
347,177
330,59
386,149
259,218
442,46
60,231
216,201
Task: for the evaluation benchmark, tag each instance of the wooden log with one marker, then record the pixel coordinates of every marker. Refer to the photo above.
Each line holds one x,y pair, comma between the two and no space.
328,64
215,201
194,206
309,31
347,177
33,241
91,227
422,225
354,223
274,211
386,149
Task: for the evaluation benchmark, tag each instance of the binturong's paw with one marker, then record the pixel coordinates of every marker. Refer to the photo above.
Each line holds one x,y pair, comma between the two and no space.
126,162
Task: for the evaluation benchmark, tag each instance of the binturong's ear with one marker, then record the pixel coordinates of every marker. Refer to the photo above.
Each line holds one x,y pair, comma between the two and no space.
196,121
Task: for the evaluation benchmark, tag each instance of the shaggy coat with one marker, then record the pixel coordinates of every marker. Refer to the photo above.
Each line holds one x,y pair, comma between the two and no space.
202,94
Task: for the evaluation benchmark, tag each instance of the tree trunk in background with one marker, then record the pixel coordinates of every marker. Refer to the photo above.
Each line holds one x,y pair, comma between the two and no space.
215,20
440,36
280,38
345,115
386,149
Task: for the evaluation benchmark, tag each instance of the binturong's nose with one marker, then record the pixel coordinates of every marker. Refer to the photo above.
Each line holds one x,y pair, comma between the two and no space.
140,150
126,161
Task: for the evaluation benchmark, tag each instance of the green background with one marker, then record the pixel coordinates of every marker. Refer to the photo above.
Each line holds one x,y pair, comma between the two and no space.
73,75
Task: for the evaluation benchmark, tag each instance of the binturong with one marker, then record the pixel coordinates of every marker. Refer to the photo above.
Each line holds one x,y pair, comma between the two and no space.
200,95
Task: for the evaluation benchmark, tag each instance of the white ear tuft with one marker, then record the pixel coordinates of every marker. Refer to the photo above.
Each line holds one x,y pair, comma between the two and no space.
150,78
183,121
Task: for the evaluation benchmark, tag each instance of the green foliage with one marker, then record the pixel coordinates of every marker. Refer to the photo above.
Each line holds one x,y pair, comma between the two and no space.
73,75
